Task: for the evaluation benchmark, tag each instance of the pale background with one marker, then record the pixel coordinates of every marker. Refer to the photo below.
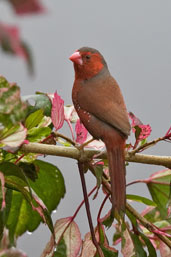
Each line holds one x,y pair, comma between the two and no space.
135,39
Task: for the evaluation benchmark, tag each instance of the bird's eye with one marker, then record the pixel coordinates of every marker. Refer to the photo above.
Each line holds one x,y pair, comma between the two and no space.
87,57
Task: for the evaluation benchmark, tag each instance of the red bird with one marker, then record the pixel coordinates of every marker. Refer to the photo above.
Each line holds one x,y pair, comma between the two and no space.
100,105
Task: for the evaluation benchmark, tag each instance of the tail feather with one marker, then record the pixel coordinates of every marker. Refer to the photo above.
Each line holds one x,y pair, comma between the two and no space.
117,176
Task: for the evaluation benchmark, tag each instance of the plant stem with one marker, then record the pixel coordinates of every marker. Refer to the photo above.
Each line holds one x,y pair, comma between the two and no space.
81,171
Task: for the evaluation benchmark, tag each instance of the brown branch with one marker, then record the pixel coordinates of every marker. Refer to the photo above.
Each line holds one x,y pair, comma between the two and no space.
74,153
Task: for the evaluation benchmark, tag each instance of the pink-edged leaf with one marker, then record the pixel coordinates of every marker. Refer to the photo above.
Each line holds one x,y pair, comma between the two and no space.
88,249
81,132
127,249
95,144
70,113
10,40
2,179
145,131
135,120
165,251
23,7
12,252
141,131
57,112
40,208
16,139
68,229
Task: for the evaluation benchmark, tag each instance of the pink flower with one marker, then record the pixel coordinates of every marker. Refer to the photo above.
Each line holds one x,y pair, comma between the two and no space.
57,112
81,132
23,7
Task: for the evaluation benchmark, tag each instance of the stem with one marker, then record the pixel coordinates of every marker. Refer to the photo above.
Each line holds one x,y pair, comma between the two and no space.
81,171
64,137
19,158
147,145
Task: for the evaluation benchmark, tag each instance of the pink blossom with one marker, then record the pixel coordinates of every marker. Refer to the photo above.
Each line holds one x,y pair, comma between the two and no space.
23,7
10,36
57,112
81,132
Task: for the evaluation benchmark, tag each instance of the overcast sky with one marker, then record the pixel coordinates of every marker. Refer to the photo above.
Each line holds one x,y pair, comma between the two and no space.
135,39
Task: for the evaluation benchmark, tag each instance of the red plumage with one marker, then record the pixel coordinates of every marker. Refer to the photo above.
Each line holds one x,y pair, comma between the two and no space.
100,105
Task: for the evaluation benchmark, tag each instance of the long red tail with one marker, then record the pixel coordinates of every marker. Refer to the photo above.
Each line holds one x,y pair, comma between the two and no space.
116,160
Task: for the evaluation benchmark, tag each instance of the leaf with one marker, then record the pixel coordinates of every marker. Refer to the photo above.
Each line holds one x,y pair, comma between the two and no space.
81,132
41,101
88,248
57,112
127,246
150,247
12,109
49,187
29,169
34,119
67,238
12,252
160,192
138,246
15,139
12,171
25,7
108,252
61,250
38,134
140,199
98,172
71,235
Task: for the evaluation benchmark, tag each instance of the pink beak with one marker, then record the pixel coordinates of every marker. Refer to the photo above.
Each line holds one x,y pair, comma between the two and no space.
76,58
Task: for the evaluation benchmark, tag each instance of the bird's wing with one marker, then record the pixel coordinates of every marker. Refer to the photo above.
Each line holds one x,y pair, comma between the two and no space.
103,99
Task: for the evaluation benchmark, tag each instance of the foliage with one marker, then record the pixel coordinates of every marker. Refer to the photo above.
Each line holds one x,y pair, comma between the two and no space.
30,189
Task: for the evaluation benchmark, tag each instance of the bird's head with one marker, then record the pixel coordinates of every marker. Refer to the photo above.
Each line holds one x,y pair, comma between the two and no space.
88,62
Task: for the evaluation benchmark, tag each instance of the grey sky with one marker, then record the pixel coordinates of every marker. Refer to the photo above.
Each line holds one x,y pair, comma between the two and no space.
135,39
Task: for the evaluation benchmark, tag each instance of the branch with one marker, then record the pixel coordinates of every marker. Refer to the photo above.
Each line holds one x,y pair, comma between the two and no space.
74,153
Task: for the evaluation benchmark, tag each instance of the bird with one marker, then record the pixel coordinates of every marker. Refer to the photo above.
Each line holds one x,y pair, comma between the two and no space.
100,106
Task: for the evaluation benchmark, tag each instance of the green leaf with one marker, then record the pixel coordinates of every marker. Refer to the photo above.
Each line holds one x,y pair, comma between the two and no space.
160,192
42,101
138,246
61,249
29,170
34,119
49,187
150,247
108,252
13,172
140,199
98,172
37,134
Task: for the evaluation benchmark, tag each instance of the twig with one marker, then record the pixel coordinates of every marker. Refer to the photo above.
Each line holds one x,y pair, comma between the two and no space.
69,140
81,171
146,145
